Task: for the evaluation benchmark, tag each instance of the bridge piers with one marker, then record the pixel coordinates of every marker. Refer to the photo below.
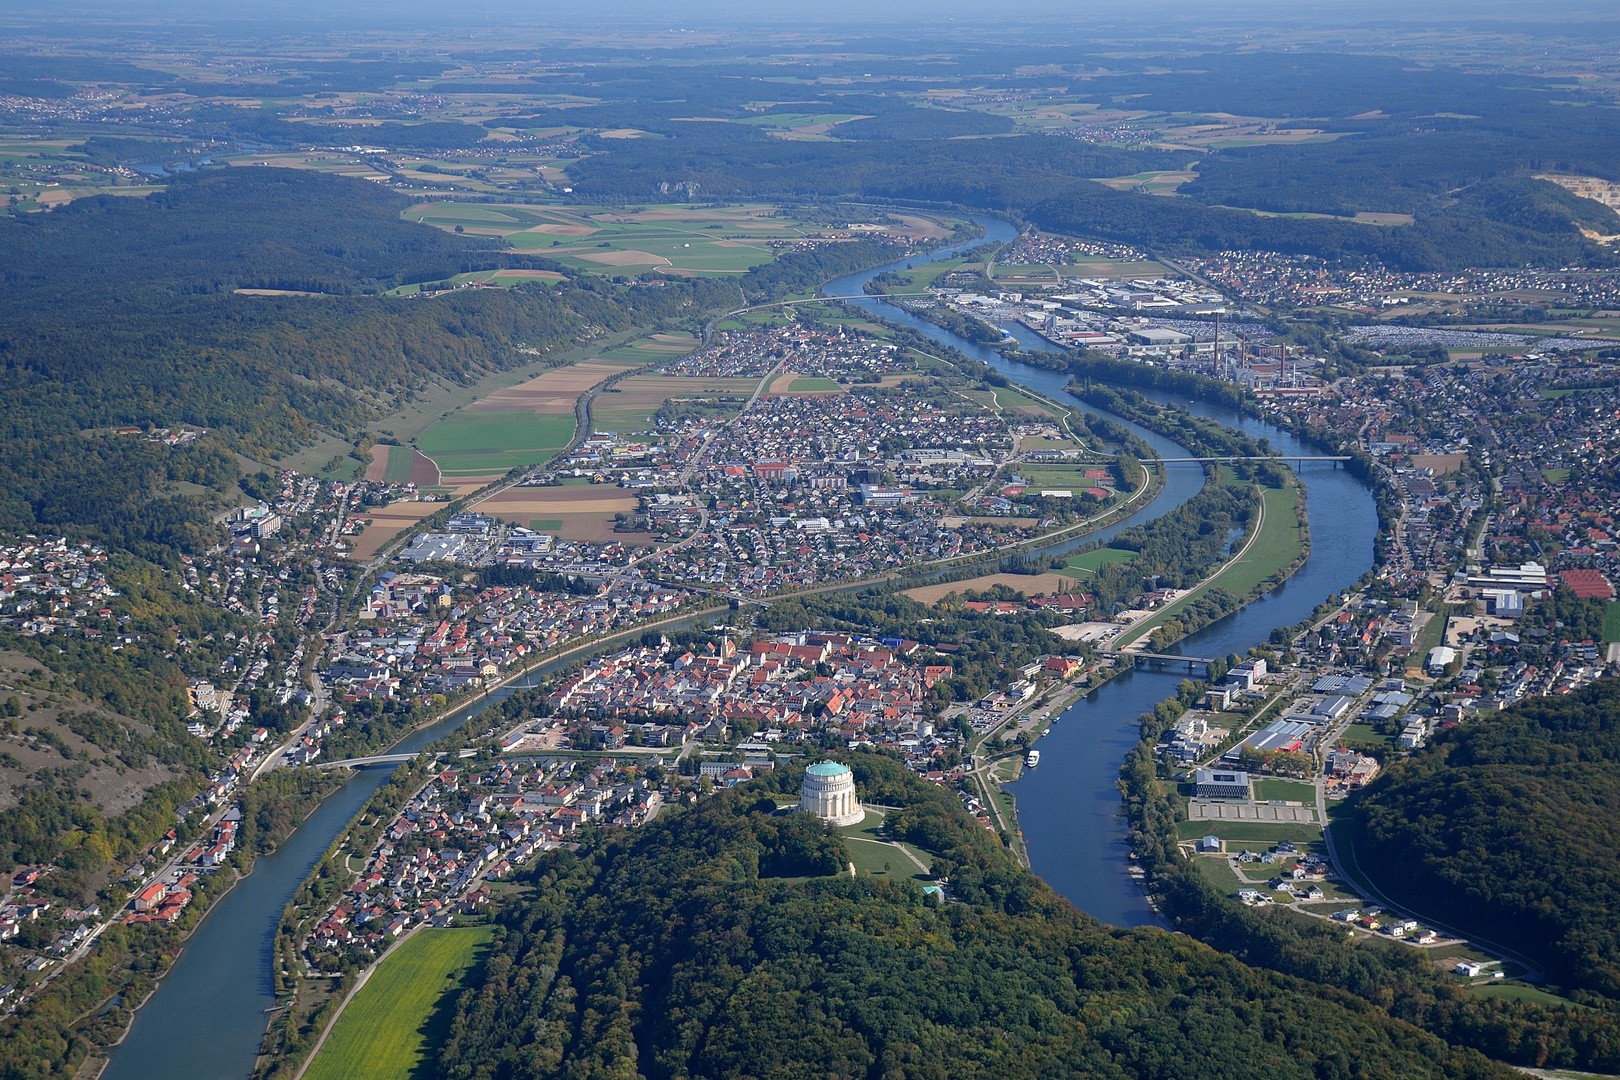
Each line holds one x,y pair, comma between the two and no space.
1193,665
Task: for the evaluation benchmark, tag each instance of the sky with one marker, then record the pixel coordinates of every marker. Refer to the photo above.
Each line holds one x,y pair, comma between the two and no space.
1033,19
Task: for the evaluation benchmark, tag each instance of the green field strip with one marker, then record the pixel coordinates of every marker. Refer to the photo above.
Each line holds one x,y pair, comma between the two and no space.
501,430
807,384
1279,544
393,1026
398,470
1250,832
1284,790
1007,398
1092,561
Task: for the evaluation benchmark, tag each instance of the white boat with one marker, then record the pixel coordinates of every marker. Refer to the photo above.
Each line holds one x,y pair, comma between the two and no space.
1032,759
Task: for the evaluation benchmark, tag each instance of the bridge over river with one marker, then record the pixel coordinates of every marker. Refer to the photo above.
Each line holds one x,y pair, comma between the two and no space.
384,759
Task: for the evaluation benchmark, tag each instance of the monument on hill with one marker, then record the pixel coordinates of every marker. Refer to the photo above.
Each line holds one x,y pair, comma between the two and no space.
829,793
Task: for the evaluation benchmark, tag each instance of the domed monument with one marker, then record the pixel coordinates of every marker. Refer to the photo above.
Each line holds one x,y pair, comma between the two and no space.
829,793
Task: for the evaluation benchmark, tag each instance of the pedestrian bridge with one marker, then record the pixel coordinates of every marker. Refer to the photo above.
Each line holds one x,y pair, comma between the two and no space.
383,759
1191,663
1268,457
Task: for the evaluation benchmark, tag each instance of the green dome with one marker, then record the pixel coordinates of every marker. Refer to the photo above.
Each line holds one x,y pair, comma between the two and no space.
827,768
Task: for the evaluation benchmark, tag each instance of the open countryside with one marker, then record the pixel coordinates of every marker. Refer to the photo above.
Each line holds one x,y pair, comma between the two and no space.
672,240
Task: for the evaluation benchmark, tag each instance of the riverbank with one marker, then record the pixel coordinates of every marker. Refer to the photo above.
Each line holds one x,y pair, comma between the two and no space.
1276,547
129,967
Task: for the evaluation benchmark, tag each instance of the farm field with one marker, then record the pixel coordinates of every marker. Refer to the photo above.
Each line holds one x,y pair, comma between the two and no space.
1026,584
631,403
789,385
493,441
677,240
391,1028
574,512
524,424
1150,183
401,465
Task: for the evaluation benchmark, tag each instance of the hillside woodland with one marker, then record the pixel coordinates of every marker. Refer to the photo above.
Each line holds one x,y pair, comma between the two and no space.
1508,825
718,944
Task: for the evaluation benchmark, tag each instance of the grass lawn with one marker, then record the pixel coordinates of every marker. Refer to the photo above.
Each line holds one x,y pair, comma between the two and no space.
1286,790
813,384
393,1025
399,463
1279,543
1555,476
1093,561
1611,621
1519,992
923,275
871,853
1008,398
546,524
472,442
1358,736
1433,632
1249,832
1218,872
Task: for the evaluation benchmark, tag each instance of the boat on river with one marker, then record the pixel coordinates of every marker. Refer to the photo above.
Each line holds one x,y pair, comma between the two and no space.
1032,759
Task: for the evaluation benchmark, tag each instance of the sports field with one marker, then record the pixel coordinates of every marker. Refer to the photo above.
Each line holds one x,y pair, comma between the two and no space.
389,1030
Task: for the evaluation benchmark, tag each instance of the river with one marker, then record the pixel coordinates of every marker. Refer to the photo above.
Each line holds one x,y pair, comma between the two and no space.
207,1017
1069,808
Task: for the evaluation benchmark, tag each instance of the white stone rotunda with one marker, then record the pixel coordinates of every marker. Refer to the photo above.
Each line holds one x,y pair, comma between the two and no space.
829,793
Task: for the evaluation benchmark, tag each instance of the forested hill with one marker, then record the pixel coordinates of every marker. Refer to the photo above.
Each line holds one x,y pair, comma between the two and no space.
231,229
1508,826
717,944
123,312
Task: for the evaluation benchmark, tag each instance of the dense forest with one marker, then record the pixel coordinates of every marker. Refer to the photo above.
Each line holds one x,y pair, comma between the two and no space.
716,944
1508,824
